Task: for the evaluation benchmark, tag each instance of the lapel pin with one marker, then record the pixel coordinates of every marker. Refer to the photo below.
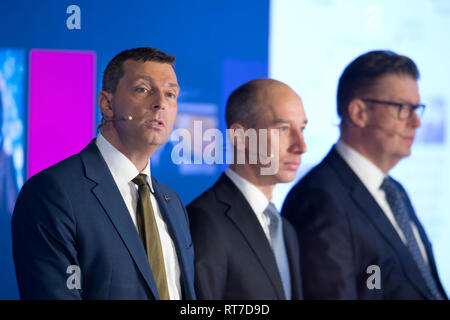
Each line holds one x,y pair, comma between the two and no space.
166,198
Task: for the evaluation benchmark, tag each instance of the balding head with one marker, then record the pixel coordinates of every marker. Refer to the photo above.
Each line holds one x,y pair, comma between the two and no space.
266,118
250,102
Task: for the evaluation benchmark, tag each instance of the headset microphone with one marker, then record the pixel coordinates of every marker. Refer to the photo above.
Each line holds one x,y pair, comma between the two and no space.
121,118
389,132
104,121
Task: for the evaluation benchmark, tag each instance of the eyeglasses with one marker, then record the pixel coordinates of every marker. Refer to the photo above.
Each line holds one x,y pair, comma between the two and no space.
405,110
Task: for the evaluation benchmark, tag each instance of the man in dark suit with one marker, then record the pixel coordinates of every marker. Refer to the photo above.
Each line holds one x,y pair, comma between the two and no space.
244,249
97,225
359,235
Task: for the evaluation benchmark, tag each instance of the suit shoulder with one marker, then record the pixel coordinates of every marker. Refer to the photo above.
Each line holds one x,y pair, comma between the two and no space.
64,170
318,177
207,202
46,196
318,196
319,184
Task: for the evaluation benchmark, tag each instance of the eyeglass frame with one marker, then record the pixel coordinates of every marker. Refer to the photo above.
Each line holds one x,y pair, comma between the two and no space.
419,109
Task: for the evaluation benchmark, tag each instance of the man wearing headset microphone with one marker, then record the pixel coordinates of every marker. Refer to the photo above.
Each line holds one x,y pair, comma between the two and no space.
244,249
359,235
97,225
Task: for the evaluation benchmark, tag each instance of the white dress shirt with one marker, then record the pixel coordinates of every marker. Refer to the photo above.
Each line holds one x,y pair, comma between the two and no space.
123,172
257,200
372,177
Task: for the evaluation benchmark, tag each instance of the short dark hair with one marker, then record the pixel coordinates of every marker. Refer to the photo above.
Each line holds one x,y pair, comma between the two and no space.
240,106
361,75
114,70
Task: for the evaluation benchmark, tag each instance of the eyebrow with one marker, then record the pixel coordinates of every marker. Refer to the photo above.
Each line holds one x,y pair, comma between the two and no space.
149,79
278,121
174,85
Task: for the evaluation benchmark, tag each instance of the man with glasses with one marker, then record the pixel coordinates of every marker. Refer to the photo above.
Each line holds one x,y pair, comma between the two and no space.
359,235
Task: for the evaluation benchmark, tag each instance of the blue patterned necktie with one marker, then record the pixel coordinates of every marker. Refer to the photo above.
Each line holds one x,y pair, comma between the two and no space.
279,248
400,211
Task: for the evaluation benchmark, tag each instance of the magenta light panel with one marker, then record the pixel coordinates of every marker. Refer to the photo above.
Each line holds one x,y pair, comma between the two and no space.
61,114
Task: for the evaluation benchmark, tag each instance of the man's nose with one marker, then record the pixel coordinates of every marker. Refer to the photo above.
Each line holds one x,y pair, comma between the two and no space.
298,142
158,101
415,120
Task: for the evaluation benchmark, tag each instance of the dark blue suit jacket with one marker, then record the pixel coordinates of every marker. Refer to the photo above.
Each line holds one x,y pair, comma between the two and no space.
233,258
342,231
73,214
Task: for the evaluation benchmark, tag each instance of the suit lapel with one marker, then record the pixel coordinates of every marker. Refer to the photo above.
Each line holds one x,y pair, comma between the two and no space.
428,248
245,220
112,202
369,207
171,214
294,266
364,200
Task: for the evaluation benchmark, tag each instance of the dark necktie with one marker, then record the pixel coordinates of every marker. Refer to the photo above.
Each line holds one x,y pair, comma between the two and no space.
278,247
400,211
148,231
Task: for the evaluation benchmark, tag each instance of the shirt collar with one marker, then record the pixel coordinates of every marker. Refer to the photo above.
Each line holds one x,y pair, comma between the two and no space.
122,169
257,200
371,176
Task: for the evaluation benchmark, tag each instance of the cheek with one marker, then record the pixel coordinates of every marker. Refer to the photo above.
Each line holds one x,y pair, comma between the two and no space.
275,140
128,107
398,126
282,144
171,117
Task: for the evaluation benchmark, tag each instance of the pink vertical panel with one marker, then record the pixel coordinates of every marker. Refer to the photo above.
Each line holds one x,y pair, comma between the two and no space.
62,106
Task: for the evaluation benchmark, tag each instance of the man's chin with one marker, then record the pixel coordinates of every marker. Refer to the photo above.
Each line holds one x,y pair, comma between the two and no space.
156,141
285,177
407,152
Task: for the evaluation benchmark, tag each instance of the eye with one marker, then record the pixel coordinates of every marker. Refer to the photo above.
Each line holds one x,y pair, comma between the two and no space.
171,95
142,90
284,128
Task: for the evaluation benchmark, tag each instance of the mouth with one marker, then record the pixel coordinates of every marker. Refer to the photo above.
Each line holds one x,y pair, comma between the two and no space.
408,137
293,165
154,123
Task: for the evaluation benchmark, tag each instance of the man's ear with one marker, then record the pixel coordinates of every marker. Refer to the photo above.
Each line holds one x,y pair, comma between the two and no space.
105,103
358,113
238,137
